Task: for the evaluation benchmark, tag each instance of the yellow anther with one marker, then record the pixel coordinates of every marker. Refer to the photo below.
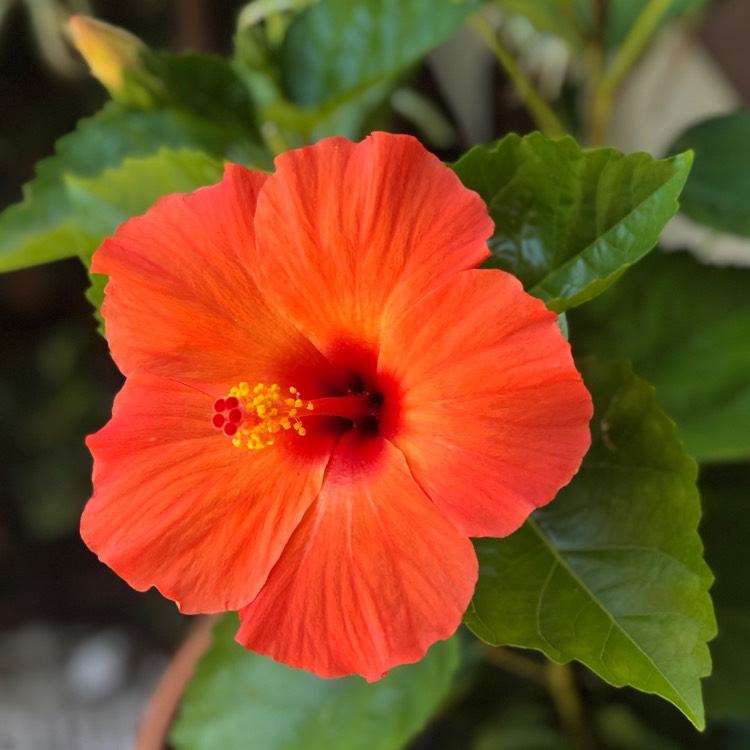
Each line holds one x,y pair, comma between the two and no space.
266,413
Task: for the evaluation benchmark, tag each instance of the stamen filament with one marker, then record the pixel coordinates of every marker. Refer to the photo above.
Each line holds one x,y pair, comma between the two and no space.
253,416
355,406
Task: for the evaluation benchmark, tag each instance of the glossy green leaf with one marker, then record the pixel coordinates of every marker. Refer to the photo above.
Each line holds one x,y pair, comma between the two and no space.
717,192
569,221
686,327
46,227
726,492
239,700
337,48
611,573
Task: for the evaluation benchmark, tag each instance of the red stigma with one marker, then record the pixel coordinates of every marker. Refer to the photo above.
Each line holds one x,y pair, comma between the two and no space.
227,415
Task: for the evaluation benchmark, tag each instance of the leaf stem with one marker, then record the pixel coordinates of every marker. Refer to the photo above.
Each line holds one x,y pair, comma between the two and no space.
273,139
625,58
541,112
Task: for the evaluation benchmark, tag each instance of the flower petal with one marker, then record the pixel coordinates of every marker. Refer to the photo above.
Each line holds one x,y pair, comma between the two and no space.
372,576
180,299
350,235
178,507
483,398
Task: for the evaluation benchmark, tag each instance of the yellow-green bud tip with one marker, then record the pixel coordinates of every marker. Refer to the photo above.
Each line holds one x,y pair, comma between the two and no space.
108,50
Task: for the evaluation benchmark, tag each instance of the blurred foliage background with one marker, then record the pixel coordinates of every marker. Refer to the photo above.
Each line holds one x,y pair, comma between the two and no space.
56,377
57,380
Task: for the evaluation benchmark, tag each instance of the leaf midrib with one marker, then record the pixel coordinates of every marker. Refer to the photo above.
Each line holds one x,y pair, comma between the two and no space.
558,559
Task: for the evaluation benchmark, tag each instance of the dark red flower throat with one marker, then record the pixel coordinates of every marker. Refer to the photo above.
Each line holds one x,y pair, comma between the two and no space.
253,415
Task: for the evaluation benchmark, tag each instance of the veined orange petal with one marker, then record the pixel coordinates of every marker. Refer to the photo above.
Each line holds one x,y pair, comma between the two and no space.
371,578
181,302
486,403
178,507
350,235
443,402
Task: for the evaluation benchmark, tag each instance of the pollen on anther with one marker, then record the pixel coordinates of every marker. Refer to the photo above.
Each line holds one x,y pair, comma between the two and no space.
253,416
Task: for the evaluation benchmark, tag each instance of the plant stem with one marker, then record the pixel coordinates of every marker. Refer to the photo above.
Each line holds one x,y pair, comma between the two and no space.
635,42
626,57
541,112
594,66
512,661
564,691
559,681
273,139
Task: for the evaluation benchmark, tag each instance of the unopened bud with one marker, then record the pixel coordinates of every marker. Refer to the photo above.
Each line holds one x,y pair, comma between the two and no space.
108,50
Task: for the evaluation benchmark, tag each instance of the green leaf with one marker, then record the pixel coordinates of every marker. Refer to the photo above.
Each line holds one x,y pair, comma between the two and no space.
337,48
239,700
103,203
569,221
45,226
686,327
717,192
205,85
726,492
611,572
339,62
345,117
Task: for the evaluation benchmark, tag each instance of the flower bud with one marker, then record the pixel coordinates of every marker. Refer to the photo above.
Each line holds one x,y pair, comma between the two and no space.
108,50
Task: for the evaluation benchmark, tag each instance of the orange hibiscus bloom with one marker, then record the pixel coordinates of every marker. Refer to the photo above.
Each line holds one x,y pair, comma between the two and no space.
324,401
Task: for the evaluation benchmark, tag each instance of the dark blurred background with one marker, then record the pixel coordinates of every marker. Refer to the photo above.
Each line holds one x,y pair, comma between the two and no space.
79,650
57,381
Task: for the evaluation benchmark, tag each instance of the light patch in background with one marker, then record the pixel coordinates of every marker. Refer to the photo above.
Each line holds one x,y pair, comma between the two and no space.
73,688
676,85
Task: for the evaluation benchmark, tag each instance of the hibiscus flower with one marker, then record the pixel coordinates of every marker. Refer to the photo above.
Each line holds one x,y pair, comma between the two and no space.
324,400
